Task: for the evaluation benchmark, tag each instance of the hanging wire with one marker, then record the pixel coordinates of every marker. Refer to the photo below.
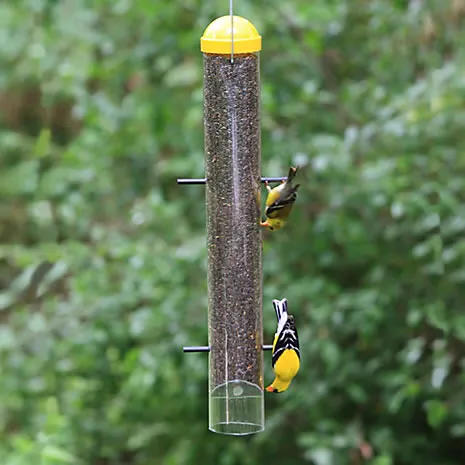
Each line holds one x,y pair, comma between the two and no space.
232,29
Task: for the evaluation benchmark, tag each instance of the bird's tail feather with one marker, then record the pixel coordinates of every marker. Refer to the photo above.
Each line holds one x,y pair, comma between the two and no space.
280,307
277,308
291,174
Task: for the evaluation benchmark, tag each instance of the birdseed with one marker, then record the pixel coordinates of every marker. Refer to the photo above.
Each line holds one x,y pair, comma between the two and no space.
232,166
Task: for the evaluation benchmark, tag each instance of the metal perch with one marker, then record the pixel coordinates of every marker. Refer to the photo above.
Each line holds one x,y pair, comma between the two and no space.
207,348
203,180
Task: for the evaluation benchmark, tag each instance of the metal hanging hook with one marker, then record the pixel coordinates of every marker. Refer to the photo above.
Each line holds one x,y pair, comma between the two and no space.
232,29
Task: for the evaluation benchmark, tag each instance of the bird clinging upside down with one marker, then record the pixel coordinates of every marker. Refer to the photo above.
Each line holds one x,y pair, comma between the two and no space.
286,351
279,202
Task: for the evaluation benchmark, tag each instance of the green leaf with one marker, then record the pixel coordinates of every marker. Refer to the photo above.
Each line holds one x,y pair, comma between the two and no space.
55,455
436,412
42,146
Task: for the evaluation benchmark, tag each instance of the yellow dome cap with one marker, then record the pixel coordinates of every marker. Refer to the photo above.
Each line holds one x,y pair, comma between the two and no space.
217,37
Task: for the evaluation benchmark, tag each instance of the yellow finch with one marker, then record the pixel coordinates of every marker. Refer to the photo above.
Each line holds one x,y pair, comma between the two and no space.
286,352
279,202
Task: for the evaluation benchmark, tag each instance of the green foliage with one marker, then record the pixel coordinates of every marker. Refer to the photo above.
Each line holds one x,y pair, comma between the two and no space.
102,256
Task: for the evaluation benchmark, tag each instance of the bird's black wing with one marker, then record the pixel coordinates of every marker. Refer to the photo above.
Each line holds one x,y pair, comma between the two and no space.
279,204
287,339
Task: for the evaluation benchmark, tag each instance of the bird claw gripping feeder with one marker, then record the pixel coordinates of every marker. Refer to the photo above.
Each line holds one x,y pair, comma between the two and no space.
230,45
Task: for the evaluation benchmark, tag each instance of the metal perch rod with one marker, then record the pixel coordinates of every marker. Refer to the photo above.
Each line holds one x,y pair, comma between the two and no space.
207,348
203,180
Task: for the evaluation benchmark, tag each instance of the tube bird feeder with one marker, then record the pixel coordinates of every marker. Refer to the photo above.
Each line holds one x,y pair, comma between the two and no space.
232,166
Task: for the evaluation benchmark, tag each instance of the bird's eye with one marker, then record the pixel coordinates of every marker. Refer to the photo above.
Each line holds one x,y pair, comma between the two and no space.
271,229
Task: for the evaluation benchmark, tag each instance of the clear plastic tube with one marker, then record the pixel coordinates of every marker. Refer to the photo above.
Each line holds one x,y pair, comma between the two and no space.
232,165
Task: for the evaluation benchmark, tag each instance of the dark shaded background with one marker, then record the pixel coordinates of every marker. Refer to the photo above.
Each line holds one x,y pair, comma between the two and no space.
102,255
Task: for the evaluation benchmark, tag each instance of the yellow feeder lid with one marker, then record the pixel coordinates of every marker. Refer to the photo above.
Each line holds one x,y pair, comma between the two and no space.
217,36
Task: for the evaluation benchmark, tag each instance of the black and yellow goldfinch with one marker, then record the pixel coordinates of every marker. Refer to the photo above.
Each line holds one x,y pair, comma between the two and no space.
286,352
279,202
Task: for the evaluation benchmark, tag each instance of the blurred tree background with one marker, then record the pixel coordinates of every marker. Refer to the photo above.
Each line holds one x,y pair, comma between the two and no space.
102,255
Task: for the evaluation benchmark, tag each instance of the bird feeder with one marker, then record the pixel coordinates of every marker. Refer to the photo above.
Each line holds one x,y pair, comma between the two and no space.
232,165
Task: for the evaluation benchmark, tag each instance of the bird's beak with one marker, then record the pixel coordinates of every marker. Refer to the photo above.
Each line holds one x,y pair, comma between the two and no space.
265,224
270,389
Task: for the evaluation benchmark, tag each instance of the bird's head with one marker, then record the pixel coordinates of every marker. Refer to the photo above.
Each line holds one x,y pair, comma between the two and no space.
271,389
272,224
266,224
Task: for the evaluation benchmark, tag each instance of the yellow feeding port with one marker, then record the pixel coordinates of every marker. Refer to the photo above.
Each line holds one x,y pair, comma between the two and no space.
217,36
